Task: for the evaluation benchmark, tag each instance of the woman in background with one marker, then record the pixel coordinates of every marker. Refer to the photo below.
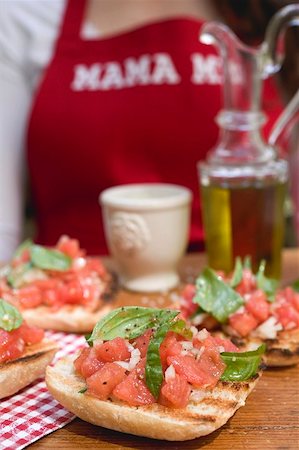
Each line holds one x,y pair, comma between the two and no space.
98,93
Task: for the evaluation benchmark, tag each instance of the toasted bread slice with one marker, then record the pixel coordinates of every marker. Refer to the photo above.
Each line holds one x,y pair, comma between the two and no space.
16,374
204,414
281,352
72,319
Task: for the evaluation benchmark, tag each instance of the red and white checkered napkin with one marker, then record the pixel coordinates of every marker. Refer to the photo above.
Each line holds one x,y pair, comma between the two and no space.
32,413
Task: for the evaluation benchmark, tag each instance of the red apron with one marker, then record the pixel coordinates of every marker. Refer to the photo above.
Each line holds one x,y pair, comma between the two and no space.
136,107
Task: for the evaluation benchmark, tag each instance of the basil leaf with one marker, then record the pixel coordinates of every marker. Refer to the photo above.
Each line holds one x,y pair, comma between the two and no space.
268,285
241,366
295,285
179,327
10,317
153,367
247,263
130,322
16,274
215,296
24,246
49,259
238,273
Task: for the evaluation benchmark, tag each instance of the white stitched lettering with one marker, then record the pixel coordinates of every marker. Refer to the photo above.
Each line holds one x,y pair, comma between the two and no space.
137,71
206,69
112,77
86,78
164,71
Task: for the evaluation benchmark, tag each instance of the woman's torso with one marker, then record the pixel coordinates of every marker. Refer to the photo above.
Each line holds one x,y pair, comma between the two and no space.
136,107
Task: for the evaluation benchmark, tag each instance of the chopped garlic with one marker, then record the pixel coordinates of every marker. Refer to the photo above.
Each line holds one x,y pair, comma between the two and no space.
202,334
79,263
194,331
198,352
169,373
268,329
187,345
135,358
123,364
199,318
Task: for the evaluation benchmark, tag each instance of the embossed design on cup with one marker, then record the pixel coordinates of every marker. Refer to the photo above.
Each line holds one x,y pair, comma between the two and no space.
129,233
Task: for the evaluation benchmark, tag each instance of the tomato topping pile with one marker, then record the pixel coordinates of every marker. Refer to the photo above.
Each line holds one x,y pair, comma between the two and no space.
82,283
13,343
256,310
116,368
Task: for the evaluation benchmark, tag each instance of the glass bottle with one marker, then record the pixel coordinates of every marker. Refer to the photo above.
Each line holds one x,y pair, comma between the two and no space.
242,182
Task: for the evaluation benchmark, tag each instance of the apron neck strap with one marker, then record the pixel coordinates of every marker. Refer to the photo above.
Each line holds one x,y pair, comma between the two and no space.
73,16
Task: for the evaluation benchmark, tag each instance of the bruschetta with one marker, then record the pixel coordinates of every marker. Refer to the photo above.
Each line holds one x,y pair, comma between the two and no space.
57,288
147,373
24,352
248,308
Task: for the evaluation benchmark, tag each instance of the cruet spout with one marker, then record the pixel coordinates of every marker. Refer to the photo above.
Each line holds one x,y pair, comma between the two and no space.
241,80
272,57
244,68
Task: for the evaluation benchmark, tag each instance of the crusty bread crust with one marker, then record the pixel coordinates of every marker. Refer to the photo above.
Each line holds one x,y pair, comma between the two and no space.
72,319
281,352
202,416
16,374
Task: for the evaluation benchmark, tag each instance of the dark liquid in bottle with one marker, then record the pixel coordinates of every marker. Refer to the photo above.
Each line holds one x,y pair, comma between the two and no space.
244,220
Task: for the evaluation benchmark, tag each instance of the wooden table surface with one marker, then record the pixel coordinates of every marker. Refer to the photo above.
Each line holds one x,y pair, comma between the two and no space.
269,420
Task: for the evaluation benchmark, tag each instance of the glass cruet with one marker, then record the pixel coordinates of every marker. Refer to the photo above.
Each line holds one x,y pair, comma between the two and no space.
243,182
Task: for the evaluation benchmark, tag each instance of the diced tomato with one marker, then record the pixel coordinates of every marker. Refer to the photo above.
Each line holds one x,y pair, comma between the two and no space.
51,297
210,361
258,306
187,306
191,369
243,323
70,247
80,358
114,350
4,339
81,284
226,344
90,292
102,382
247,283
287,315
169,347
11,346
142,343
30,335
289,295
29,296
88,364
96,265
295,300
71,292
133,389
175,392
47,283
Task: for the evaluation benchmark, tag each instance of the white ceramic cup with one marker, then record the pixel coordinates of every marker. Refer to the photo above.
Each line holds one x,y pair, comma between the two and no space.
147,230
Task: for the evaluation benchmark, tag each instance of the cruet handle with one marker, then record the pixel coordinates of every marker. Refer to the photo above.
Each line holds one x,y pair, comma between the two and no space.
272,60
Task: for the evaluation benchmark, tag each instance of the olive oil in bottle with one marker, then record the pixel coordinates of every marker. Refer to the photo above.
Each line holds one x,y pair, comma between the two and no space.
244,220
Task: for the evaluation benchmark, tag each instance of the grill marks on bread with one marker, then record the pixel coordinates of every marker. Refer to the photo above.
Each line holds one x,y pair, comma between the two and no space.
213,409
